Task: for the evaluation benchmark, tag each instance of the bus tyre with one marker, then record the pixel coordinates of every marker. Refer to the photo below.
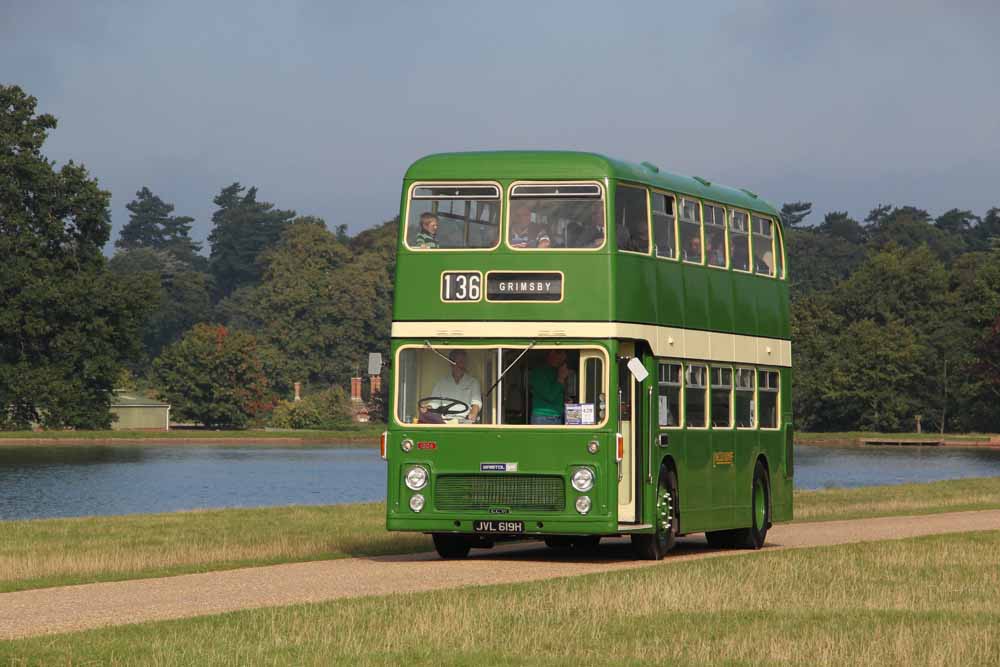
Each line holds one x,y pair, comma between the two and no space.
558,542
451,546
760,511
654,546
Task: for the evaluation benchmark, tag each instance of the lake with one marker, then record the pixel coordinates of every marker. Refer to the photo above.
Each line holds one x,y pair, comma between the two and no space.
54,481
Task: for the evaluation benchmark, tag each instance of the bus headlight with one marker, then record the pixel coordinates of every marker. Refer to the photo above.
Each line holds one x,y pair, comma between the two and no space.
416,478
583,479
583,504
416,502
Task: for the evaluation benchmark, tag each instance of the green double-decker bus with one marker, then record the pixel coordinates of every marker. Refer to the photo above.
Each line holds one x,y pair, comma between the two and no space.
585,347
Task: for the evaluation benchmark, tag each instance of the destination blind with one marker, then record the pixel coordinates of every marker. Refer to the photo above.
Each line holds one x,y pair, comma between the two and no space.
523,286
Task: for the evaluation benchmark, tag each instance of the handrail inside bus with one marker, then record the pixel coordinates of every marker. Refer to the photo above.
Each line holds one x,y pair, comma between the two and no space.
512,364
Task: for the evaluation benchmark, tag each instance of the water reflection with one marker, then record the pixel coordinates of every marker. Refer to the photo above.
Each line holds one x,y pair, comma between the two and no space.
79,481
49,481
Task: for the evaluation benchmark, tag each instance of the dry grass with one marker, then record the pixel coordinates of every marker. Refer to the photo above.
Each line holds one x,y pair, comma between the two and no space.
926,601
52,552
948,496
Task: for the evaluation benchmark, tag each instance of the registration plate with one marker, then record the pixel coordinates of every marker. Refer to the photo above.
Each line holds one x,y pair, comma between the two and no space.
508,527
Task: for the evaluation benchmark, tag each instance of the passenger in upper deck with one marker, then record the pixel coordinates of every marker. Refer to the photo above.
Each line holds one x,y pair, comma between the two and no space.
523,233
427,236
692,251
590,235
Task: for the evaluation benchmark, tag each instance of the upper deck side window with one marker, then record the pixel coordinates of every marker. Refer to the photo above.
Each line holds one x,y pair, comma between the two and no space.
763,245
632,219
690,215
715,235
739,240
556,215
444,216
664,225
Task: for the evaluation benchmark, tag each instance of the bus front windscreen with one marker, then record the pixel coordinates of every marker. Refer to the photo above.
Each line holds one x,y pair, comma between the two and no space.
539,386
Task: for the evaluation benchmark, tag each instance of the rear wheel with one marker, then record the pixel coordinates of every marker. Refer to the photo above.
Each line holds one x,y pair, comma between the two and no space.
451,546
760,512
654,546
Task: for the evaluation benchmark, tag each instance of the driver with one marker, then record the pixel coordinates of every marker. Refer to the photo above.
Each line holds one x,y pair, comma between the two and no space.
460,386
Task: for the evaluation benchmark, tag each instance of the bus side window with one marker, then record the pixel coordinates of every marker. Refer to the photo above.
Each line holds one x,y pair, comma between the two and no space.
670,395
763,251
767,384
739,240
779,256
744,398
695,387
632,219
722,391
664,231
691,231
715,235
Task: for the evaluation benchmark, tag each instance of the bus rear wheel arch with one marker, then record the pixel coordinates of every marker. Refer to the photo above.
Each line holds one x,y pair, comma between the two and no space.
754,536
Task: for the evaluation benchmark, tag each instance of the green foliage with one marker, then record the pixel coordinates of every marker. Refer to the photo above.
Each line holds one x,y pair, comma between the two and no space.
214,376
243,229
793,213
328,409
181,297
150,225
67,325
321,305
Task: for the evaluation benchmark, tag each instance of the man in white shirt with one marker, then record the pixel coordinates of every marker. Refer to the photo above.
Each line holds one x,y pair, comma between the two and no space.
459,385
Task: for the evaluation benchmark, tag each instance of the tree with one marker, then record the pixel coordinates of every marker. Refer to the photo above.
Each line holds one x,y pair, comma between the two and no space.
214,376
840,225
67,325
182,296
151,226
242,229
793,213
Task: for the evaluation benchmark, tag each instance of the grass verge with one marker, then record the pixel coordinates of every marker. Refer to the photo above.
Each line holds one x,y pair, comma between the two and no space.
926,601
853,437
956,495
58,552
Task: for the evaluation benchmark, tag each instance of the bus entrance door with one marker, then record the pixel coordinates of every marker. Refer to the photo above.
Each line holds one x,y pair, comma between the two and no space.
630,405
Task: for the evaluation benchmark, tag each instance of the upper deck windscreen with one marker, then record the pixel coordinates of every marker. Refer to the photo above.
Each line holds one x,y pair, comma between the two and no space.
556,216
445,217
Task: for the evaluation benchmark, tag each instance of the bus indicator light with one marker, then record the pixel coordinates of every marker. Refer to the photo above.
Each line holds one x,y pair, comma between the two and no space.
382,441
619,447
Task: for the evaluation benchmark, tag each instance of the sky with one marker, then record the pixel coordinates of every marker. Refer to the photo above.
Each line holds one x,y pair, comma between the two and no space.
323,105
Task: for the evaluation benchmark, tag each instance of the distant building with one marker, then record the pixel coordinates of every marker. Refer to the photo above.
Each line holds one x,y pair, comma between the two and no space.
138,413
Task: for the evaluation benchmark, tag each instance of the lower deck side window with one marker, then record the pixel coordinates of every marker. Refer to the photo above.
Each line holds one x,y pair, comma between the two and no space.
767,384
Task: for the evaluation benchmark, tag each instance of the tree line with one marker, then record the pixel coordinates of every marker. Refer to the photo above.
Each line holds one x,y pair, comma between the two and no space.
892,317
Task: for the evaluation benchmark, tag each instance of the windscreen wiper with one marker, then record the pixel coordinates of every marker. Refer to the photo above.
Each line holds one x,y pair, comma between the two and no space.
512,364
427,343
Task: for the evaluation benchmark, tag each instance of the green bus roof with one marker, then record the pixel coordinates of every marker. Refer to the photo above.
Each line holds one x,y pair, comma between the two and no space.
549,165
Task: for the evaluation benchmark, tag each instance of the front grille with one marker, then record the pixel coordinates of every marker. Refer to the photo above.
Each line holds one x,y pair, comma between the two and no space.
534,493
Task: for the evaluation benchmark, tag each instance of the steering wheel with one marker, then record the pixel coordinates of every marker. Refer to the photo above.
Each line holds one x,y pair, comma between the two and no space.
447,407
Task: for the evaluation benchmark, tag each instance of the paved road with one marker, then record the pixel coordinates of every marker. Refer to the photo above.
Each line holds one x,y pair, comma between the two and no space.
69,608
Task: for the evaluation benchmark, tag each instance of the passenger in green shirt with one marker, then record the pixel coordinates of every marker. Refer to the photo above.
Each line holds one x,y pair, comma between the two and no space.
548,389
427,236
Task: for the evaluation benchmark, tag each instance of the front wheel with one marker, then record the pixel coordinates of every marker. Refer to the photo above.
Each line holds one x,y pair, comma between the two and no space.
451,547
654,546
